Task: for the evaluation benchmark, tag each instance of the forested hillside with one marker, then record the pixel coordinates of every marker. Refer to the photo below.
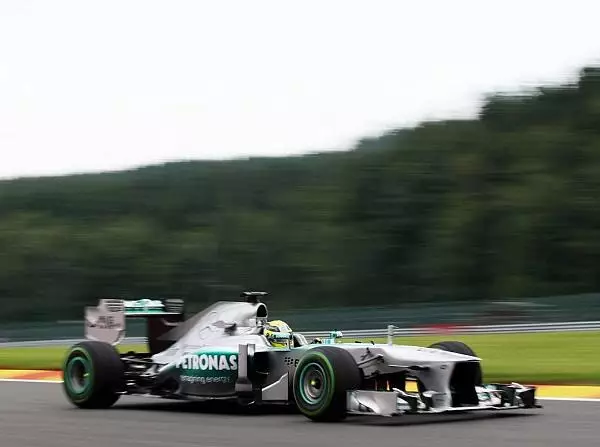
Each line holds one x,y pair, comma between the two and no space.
504,205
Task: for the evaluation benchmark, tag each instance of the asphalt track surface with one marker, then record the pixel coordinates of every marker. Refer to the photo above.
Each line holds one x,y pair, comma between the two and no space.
37,415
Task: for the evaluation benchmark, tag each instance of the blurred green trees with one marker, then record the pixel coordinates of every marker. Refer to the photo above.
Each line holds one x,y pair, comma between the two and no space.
504,205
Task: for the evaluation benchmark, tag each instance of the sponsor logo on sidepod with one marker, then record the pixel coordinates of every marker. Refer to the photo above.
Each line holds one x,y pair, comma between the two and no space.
208,362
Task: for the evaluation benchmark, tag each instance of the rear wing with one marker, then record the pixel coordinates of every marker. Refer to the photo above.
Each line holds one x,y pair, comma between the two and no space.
107,321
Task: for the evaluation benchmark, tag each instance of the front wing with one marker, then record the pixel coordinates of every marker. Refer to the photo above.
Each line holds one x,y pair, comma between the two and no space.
493,397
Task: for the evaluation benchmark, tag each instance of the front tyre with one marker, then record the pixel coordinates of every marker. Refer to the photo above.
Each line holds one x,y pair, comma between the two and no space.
93,375
323,376
459,347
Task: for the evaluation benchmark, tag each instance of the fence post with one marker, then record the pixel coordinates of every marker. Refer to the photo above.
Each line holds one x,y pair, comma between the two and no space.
390,334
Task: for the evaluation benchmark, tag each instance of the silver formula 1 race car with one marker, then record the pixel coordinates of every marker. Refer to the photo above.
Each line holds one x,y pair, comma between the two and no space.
230,351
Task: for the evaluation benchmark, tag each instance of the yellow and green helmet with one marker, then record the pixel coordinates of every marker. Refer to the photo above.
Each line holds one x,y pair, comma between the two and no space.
278,333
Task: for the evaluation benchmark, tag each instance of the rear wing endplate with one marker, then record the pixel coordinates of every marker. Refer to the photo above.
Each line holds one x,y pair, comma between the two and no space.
107,321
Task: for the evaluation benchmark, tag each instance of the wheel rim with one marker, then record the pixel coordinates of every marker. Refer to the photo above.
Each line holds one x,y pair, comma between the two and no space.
78,375
313,383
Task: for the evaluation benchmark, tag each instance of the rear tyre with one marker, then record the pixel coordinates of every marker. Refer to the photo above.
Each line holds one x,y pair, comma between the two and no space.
322,377
93,375
459,347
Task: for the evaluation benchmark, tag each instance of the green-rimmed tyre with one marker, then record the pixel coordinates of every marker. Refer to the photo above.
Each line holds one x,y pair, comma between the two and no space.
93,375
323,376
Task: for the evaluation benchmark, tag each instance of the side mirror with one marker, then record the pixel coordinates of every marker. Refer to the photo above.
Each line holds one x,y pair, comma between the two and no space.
333,336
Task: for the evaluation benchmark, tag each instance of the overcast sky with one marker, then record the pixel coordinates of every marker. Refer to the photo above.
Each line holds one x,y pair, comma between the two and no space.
89,86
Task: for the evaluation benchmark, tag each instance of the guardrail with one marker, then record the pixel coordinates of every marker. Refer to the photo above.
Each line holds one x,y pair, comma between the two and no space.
477,329
575,326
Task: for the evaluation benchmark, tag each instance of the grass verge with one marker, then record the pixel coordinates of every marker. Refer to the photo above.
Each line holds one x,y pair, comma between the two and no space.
44,358
542,358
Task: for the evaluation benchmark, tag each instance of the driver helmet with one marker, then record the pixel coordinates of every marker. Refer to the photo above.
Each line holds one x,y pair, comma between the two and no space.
278,333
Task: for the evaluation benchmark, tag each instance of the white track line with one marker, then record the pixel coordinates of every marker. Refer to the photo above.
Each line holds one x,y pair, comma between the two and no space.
567,399
571,399
31,381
